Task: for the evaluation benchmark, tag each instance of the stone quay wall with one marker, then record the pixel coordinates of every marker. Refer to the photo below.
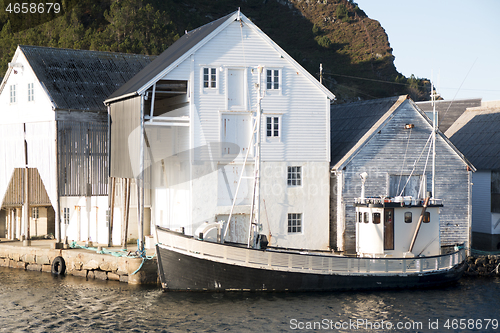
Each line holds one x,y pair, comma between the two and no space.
81,263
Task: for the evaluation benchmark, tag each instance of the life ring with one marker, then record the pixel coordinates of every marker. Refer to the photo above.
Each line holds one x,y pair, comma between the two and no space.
58,266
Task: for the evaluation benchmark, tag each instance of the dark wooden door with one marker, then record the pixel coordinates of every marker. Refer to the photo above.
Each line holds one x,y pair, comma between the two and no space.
389,229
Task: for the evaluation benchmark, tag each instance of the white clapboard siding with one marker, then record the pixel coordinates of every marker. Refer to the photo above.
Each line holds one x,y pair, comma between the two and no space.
300,104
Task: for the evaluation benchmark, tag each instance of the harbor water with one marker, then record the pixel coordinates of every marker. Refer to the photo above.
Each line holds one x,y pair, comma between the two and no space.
39,302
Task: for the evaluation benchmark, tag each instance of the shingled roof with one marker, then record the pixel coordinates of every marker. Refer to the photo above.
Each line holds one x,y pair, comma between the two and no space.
449,111
81,79
477,136
350,122
169,56
185,46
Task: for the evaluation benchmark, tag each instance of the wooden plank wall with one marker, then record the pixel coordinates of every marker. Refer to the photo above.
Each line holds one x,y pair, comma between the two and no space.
394,150
83,158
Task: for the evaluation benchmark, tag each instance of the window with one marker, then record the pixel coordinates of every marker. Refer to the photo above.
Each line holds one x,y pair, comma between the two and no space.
408,217
366,217
294,176
31,92
209,78
294,223
66,215
12,93
35,213
273,79
376,218
427,217
273,127
360,217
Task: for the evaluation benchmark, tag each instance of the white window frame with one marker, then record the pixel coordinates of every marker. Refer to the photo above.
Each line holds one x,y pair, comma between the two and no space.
35,213
210,68
273,137
31,92
271,86
13,89
66,215
294,176
299,228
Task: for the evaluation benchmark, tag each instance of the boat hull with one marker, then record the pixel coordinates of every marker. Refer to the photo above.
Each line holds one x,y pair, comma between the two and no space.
188,270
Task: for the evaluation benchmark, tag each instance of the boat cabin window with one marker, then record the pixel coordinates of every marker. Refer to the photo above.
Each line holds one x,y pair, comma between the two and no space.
376,218
366,217
427,217
408,217
360,217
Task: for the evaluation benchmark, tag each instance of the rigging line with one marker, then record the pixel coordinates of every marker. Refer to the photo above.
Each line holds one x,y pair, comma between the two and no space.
415,164
461,84
367,79
404,160
420,189
239,182
349,88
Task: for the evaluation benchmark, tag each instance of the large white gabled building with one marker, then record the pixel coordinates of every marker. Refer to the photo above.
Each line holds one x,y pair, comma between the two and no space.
184,125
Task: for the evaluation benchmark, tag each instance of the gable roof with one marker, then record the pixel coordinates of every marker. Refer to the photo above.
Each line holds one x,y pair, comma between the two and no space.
81,79
449,111
187,45
353,125
477,136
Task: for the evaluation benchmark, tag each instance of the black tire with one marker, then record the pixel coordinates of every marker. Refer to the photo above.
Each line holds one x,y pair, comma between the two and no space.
58,266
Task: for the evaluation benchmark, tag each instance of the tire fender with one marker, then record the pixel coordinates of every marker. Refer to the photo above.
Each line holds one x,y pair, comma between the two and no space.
58,266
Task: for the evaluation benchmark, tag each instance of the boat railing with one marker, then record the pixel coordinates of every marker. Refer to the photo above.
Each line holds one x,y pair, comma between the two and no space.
403,201
322,264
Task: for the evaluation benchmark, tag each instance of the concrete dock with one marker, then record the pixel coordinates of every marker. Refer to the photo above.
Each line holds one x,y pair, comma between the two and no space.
99,262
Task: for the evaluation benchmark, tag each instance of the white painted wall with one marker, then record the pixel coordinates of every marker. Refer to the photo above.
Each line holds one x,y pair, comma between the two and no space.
23,111
370,239
87,219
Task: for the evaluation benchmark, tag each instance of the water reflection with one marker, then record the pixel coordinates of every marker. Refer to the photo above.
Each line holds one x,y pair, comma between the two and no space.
39,302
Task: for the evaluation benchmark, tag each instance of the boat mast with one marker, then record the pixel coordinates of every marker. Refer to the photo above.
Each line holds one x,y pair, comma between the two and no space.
256,202
434,130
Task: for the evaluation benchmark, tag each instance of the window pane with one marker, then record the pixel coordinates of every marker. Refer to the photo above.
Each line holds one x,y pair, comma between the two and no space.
427,217
366,218
294,222
376,218
408,218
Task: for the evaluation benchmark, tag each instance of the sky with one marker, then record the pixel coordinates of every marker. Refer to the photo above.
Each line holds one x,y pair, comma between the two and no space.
456,43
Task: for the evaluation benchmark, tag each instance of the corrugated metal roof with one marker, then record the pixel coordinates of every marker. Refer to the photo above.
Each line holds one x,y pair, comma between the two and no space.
170,55
81,79
449,111
351,121
477,136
